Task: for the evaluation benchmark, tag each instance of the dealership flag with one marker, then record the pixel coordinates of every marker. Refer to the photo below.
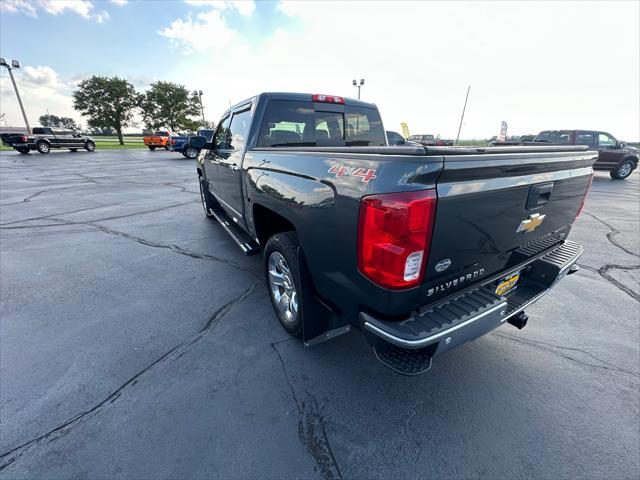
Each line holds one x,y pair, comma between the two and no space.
503,131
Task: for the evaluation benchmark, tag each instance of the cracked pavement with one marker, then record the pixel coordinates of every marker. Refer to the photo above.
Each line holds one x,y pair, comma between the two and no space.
137,341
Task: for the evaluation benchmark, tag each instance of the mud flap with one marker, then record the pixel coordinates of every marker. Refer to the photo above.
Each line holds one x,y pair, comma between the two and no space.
319,321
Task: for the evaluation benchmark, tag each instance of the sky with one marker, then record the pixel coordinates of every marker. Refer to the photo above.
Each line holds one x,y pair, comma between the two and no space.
535,65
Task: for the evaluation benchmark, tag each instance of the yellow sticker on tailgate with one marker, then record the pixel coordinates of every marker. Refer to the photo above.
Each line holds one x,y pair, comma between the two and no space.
507,283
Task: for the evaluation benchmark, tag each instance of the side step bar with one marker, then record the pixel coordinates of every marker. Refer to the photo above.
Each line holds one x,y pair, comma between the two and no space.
247,244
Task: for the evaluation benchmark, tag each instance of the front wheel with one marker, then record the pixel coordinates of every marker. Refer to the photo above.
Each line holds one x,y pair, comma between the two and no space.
23,150
89,146
43,147
623,170
191,153
282,274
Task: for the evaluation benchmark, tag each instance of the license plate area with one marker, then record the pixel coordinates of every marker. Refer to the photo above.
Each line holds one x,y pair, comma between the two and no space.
508,283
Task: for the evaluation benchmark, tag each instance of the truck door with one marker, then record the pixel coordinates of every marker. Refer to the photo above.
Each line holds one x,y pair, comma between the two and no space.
230,164
609,155
211,158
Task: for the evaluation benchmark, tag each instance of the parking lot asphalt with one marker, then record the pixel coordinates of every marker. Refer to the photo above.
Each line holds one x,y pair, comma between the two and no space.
136,341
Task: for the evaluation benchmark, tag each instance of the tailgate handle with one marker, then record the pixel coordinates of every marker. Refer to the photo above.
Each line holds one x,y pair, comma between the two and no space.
539,195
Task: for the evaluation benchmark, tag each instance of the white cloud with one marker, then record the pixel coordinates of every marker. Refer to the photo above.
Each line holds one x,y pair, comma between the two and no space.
209,32
40,89
244,7
84,8
18,6
119,3
535,66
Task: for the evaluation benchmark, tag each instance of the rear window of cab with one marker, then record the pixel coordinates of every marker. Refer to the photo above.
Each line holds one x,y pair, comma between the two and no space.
288,123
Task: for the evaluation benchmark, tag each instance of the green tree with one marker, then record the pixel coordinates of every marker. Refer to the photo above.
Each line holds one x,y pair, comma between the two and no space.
168,104
55,121
109,102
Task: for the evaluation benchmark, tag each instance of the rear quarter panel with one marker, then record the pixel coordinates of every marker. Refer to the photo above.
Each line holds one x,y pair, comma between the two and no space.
324,209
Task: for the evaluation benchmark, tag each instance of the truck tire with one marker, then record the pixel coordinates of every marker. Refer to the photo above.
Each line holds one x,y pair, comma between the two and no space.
623,170
282,274
167,147
151,148
43,147
23,150
191,153
89,146
208,202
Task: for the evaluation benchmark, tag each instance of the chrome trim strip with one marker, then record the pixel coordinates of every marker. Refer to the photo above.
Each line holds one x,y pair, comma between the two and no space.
423,342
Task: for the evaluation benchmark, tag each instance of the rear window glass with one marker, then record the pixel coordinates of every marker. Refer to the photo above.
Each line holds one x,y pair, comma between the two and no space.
554,137
161,134
288,123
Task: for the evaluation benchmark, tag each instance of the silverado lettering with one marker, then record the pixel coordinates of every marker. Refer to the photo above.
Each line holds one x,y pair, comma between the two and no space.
343,254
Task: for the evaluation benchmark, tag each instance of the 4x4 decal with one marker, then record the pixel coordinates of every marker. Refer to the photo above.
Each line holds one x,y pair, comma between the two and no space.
365,174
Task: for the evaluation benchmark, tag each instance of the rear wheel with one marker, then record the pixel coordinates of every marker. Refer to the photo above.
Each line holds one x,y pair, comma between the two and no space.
151,148
208,202
89,146
282,274
43,147
191,153
167,146
24,150
623,170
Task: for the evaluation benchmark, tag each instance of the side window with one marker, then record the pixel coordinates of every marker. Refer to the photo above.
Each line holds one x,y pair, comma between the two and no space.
220,137
586,138
605,140
239,129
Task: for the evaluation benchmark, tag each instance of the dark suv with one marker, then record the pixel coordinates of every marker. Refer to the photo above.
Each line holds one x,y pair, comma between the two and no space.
613,156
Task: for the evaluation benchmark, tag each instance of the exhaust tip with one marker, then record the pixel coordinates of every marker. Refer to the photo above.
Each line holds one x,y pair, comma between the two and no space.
519,321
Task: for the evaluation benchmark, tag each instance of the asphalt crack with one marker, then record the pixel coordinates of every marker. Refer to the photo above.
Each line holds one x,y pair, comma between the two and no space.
311,428
611,234
149,243
562,352
9,457
604,273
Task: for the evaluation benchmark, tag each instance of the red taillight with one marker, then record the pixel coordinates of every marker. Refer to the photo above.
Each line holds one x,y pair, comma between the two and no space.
584,198
327,98
24,138
173,141
394,235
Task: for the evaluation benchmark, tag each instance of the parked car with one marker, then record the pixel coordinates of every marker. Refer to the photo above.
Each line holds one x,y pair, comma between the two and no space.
191,152
161,138
43,139
423,139
419,249
614,156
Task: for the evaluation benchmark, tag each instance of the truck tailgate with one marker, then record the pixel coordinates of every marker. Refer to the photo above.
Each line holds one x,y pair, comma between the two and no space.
496,210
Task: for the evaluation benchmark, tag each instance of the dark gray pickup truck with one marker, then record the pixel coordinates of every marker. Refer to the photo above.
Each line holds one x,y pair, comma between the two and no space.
44,139
419,248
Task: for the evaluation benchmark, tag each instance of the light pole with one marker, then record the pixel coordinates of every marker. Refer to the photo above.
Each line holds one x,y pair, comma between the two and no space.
198,93
359,86
16,64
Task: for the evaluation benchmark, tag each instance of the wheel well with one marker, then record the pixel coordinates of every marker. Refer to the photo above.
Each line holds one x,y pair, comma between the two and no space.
267,223
632,158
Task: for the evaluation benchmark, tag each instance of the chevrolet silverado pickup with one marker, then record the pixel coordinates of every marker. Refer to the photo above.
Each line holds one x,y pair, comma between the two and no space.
420,248
43,139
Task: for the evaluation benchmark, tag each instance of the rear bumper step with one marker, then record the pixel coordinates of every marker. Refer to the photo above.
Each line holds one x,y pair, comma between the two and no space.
407,346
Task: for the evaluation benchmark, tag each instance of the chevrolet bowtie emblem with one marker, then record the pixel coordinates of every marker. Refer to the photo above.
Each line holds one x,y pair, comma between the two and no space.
531,223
